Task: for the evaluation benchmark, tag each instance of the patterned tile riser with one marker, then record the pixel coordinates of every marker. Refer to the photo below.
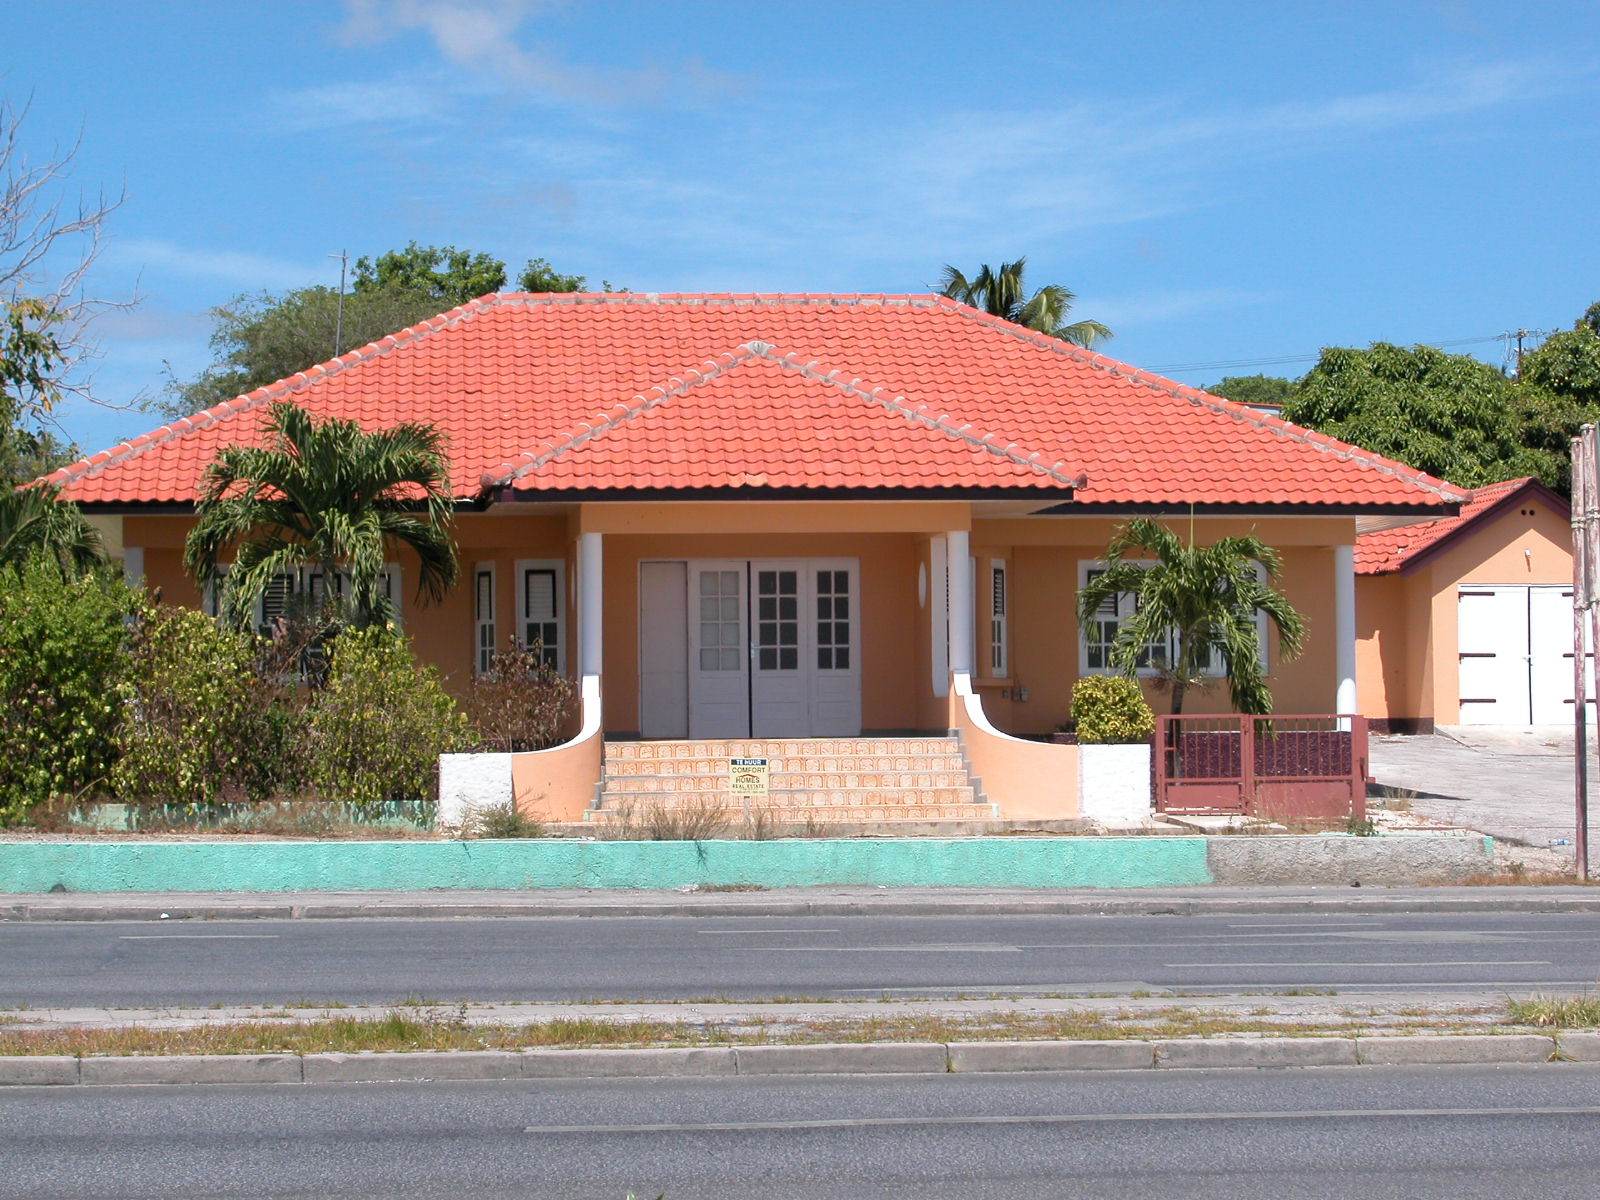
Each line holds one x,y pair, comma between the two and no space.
689,795
836,764
840,814
785,781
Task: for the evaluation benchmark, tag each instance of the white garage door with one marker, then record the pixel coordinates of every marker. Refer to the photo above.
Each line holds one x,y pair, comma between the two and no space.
1515,645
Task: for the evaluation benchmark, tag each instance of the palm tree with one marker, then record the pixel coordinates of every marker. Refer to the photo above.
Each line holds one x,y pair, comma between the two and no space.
1202,600
1002,294
35,520
328,495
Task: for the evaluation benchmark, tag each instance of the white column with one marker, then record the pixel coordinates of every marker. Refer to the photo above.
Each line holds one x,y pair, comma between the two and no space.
133,565
1344,629
959,564
590,628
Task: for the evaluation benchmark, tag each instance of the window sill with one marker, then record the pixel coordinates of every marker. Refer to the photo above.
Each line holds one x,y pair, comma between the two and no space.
990,681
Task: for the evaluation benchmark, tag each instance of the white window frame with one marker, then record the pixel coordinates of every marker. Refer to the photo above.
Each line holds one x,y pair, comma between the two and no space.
301,582
999,619
1124,603
485,629
558,566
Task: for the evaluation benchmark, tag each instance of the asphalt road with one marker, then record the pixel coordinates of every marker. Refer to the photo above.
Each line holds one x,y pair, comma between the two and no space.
144,964
1370,1133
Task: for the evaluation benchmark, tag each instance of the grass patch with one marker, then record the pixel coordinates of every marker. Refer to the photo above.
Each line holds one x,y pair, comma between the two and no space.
1558,1012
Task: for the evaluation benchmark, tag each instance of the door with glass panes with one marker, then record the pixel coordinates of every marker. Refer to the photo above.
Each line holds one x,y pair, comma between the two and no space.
771,648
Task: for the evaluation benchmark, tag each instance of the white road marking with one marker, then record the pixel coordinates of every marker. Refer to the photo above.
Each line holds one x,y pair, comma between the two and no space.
805,930
1477,962
1068,1119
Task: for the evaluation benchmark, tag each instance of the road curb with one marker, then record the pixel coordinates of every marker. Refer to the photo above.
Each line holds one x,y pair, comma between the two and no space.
851,1058
1581,900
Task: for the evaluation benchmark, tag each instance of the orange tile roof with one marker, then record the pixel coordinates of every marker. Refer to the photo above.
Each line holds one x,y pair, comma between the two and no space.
545,394
1389,550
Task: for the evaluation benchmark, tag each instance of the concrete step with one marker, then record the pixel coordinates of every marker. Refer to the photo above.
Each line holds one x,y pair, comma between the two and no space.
802,814
618,768
789,781
802,798
782,748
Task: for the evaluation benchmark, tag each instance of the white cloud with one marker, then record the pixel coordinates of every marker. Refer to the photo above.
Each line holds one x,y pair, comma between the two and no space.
485,38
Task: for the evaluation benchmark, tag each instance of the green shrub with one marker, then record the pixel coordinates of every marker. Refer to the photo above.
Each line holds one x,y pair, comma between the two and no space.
62,667
520,702
1110,709
375,732
205,724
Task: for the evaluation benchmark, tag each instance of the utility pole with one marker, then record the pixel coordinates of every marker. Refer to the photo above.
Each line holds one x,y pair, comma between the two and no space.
1585,604
338,329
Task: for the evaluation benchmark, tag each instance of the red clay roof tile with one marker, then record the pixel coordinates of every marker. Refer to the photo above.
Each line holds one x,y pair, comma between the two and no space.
1388,550
547,393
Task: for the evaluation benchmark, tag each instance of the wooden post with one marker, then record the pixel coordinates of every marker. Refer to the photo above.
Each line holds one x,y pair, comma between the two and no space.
1585,510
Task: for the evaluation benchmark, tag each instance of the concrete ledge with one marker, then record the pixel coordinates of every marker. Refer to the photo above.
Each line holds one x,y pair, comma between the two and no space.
854,1058
848,1058
192,1068
29,1070
618,1064
1342,860
1410,1049
393,1067
1579,1047
997,1057
1258,1052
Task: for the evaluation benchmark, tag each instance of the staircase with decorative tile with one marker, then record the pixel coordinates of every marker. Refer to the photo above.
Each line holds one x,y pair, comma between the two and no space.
812,781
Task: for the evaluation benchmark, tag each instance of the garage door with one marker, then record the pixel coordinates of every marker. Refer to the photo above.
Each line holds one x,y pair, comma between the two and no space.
1515,645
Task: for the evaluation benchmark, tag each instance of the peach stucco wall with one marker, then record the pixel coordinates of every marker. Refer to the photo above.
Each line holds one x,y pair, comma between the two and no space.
1406,622
1046,658
893,543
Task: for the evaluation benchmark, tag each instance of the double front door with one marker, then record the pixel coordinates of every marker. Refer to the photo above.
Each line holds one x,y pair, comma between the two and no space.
749,648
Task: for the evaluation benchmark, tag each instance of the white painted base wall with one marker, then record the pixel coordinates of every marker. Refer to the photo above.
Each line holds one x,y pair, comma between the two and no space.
470,783
1114,782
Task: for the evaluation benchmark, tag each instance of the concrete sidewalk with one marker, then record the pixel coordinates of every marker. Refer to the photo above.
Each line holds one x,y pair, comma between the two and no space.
1511,782
789,902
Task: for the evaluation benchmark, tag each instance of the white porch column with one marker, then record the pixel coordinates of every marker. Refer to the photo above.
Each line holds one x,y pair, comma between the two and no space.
959,564
1344,630
590,629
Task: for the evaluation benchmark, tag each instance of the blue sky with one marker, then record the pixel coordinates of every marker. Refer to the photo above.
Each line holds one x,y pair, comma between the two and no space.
1219,182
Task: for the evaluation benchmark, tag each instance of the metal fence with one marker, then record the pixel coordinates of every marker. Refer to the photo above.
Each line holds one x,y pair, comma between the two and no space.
1299,768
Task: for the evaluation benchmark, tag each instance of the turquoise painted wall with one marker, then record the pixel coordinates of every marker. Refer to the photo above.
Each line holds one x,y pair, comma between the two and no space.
237,866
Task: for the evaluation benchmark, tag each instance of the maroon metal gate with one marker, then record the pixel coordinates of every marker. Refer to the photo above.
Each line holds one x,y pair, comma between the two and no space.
1303,768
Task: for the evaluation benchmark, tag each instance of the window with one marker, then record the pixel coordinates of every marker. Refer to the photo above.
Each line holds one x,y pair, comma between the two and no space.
541,593
833,620
998,653
485,638
275,601
1099,633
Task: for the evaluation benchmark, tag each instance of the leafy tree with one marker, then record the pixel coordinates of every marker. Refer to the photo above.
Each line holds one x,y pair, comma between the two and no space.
1568,363
375,733
330,495
1205,598
540,276
445,275
1002,294
62,682
35,521
1447,414
1253,389
263,337
47,246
